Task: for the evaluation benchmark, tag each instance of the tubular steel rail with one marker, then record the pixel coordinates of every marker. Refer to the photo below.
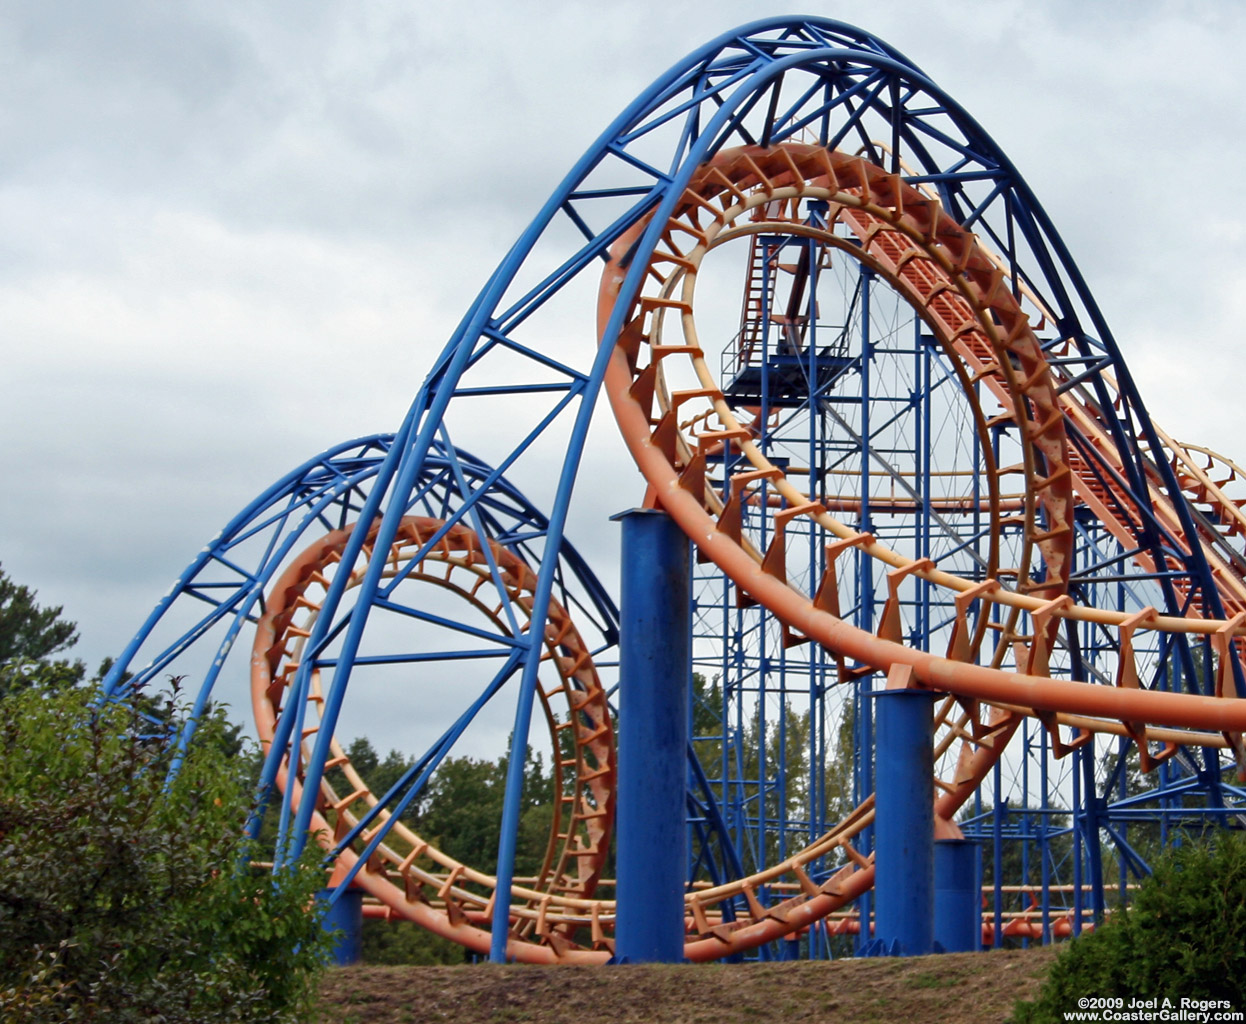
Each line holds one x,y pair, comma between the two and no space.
921,458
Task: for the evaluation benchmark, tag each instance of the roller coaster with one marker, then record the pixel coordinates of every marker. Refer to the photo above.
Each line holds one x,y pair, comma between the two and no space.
854,362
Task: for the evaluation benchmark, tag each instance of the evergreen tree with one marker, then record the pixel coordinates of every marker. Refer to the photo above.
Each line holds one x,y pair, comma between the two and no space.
27,631
30,637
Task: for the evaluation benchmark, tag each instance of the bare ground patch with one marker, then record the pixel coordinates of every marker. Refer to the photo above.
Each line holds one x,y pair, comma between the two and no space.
963,988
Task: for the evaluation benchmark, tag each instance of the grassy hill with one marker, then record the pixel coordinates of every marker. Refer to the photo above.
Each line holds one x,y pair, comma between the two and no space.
967,988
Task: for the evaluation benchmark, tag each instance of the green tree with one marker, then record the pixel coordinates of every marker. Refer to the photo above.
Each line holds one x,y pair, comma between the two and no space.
125,895
401,944
30,637
459,812
462,812
396,942
1184,936
784,797
1146,837
381,774
27,631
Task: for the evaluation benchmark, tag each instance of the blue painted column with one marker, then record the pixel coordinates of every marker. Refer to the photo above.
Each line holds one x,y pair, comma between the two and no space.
958,895
344,916
655,666
904,822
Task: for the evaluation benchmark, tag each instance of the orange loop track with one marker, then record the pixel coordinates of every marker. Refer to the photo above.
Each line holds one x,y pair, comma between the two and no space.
410,877
968,303
746,178
961,293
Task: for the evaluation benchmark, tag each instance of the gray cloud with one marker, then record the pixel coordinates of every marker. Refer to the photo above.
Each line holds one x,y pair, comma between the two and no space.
233,234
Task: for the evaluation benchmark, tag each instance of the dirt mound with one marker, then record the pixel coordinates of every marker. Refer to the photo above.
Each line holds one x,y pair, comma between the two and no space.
969,988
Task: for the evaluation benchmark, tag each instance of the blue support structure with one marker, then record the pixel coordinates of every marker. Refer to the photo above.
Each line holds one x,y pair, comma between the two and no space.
655,663
958,895
904,882
344,915
923,447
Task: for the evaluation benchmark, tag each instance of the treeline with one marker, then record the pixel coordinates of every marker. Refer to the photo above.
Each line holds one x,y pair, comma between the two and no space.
459,812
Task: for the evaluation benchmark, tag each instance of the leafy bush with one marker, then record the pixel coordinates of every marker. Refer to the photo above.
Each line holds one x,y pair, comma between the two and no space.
1183,936
126,897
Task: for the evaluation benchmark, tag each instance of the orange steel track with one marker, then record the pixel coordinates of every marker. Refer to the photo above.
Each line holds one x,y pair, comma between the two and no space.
960,292
409,876
965,300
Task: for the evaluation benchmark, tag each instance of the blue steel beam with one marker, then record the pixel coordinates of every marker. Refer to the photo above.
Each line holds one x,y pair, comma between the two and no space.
766,81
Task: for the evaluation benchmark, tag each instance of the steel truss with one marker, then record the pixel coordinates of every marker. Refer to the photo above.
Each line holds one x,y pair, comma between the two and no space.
916,457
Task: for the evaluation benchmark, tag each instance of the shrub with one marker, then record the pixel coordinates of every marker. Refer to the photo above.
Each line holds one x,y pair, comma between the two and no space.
128,897
1183,936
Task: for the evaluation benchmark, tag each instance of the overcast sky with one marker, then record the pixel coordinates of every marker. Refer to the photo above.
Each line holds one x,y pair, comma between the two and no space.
233,234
